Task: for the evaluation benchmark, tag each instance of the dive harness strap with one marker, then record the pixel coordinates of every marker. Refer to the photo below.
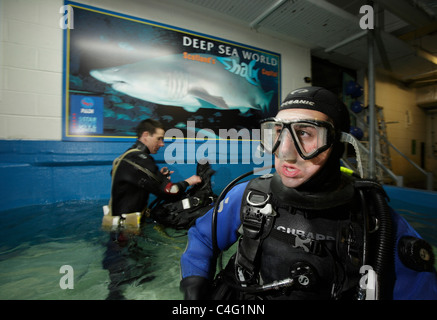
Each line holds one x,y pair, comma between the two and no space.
257,222
111,222
116,164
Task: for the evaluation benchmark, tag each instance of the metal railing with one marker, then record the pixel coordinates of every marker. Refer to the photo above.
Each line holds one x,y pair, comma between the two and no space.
399,180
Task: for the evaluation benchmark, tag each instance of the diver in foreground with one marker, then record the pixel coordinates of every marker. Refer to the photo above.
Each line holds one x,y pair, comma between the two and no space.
308,231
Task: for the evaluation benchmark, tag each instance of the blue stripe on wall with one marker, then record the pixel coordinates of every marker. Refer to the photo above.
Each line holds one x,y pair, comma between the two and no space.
42,172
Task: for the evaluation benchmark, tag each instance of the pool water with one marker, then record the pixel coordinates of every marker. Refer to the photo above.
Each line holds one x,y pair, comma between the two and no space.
422,219
38,240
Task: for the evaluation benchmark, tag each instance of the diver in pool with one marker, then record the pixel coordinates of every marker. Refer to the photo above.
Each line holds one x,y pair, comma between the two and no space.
136,175
308,231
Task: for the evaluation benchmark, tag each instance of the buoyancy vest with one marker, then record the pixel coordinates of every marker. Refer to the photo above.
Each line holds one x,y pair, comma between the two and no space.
182,213
316,244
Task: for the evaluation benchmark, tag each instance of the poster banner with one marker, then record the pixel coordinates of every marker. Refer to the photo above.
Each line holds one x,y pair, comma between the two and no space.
120,70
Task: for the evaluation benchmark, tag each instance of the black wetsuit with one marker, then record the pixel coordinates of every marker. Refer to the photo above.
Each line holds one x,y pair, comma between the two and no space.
131,186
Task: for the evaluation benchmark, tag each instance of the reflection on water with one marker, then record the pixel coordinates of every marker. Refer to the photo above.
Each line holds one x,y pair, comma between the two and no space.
38,240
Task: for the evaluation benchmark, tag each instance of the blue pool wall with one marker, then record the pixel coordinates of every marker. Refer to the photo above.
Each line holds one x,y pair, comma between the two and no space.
422,198
43,172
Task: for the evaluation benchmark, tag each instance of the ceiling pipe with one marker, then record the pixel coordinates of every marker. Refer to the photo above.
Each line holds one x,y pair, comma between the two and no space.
346,41
323,4
420,76
426,55
407,12
371,98
371,107
255,23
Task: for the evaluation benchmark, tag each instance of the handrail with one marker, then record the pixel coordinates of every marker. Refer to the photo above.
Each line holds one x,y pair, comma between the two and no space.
399,179
428,175
404,156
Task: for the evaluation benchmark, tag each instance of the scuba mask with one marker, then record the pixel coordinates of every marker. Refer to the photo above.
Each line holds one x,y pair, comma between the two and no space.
310,137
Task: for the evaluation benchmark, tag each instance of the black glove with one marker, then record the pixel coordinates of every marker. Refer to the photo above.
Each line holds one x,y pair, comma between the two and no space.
195,288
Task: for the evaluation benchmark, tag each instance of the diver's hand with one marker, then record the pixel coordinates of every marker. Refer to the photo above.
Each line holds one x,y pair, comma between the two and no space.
193,180
195,288
166,172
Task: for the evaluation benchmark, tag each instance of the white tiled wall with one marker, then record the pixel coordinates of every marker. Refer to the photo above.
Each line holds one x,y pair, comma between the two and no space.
31,74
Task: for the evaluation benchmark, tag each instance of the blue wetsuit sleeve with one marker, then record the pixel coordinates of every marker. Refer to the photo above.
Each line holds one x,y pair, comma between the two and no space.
411,284
196,260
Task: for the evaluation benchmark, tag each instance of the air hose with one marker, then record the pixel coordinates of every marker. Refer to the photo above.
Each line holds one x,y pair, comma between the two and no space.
253,289
385,242
383,258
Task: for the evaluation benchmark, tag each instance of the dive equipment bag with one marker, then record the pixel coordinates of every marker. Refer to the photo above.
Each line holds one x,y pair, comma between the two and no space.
182,213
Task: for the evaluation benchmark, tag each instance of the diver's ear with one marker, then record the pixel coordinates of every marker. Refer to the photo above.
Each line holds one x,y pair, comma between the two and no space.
145,137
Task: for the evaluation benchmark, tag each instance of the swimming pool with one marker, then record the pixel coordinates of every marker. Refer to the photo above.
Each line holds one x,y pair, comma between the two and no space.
418,207
38,240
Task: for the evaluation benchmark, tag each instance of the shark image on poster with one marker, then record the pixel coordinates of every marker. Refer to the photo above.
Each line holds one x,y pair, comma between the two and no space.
190,81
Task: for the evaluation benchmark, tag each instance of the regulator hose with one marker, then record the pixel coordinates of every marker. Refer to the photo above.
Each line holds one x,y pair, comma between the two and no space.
381,258
253,289
384,259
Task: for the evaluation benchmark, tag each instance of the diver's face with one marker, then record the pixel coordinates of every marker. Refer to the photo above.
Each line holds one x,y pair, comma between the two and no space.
153,141
292,169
